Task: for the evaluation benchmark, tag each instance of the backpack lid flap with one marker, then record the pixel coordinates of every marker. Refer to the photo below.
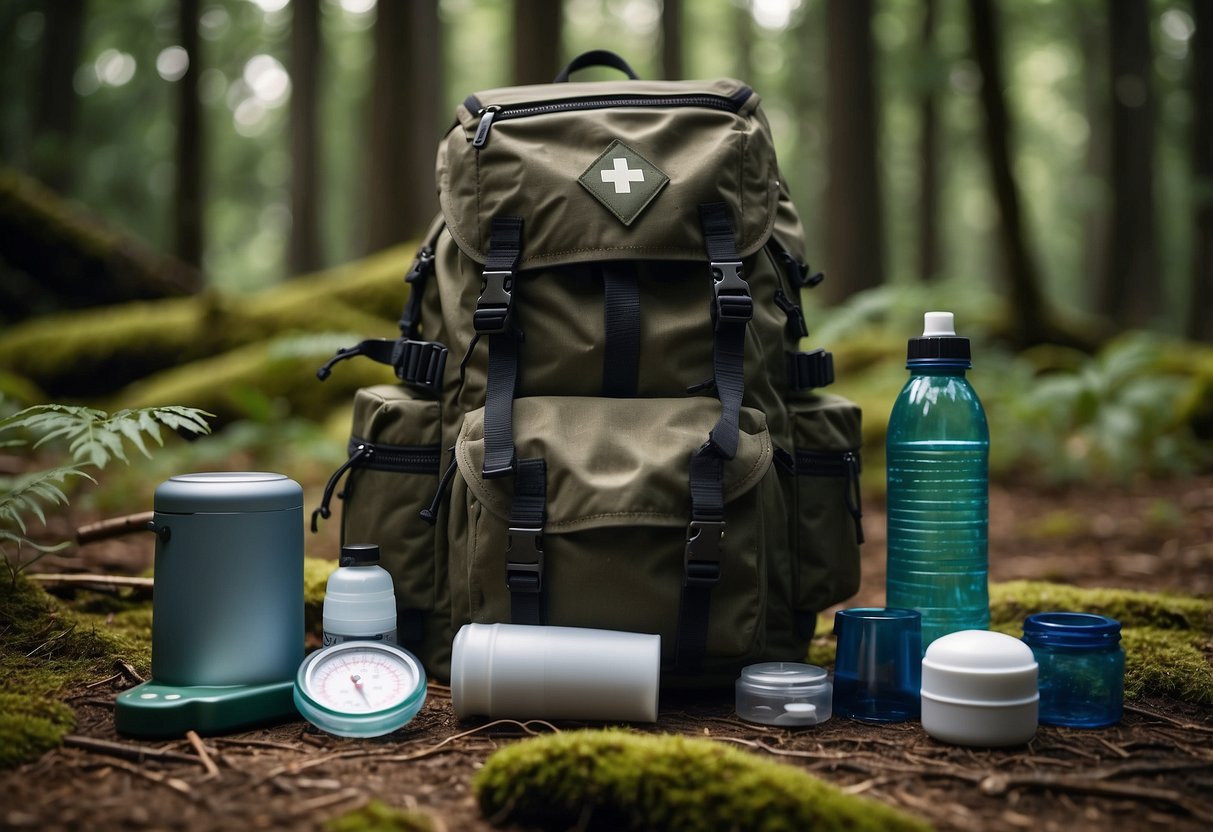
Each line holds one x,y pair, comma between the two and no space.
613,462
602,171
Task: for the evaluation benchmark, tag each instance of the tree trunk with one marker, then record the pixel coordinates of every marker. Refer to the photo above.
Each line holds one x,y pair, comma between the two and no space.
537,25
188,201
1199,324
928,154
406,97
1093,35
1131,282
55,103
671,40
854,244
304,248
1028,324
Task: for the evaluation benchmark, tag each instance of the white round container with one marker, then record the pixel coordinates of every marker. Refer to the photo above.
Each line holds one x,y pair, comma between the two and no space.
979,688
515,671
360,599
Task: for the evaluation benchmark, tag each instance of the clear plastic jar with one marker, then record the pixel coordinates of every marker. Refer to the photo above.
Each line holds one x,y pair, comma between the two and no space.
1082,668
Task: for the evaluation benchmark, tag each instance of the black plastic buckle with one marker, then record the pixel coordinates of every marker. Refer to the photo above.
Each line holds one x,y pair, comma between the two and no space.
420,363
731,301
524,576
492,315
810,370
704,539
422,266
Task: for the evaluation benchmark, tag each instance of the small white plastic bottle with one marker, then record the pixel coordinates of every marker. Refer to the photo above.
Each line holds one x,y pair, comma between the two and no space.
359,601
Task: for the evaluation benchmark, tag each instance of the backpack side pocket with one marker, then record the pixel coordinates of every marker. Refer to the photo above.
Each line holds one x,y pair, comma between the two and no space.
827,527
395,452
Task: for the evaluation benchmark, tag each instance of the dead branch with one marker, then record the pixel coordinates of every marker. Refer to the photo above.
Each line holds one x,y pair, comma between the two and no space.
113,527
141,587
127,751
195,741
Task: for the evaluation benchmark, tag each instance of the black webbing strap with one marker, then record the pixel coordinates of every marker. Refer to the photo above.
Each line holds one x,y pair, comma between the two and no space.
418,274
621,325
420,364
732,309
524,550
494,317
810,370
702,564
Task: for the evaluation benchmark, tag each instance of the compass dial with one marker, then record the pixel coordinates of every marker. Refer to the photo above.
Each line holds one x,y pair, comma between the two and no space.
360,688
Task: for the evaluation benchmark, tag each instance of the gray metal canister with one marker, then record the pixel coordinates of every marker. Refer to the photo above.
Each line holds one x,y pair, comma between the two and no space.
228,603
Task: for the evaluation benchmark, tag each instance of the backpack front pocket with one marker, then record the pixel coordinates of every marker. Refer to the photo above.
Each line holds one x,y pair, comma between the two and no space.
395,452
827,527
614,543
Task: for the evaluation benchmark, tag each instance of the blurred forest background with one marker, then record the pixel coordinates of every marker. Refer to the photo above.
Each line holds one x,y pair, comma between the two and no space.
230,189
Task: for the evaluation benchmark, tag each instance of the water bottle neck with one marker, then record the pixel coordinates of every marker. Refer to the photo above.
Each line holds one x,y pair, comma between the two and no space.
937,367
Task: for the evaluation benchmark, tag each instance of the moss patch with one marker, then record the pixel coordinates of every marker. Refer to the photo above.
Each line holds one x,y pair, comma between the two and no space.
30,726
377,816
1011,602
1167,637
616,780
316,573
47,648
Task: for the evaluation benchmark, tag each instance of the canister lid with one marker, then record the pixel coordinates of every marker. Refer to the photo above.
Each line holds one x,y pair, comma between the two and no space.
227,491
979,667
790,678
1071,629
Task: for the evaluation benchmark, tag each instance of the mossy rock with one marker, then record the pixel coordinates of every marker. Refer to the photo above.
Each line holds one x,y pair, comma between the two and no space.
97,351
616,780
241,382
31,725
1011,602
377,816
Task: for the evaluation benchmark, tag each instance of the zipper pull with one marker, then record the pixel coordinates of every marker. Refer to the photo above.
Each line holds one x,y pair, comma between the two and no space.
430,515
796,327
486,121
361,452
853,495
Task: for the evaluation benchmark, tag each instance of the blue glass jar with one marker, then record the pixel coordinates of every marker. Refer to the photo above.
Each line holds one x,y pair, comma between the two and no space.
1082,668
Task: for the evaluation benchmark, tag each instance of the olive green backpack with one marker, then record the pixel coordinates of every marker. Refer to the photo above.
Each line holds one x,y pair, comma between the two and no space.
604,419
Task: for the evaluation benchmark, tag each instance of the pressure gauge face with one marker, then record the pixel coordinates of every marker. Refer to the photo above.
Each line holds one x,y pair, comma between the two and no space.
360,688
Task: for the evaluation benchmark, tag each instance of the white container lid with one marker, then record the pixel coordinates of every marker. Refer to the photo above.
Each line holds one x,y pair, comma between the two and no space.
784,693
979,667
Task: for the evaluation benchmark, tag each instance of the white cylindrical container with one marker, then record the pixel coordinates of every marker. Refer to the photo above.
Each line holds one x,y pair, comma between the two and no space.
979,688
359,600
515,671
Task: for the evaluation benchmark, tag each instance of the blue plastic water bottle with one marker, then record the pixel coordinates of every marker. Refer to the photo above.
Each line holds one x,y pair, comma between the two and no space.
938,450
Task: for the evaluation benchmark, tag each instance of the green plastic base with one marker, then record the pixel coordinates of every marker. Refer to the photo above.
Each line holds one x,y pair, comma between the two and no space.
155,710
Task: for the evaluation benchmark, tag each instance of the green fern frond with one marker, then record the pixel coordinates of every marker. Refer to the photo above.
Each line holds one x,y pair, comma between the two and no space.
28,494
95,437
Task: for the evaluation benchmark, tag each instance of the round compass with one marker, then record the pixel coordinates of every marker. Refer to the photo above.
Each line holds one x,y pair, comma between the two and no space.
360,688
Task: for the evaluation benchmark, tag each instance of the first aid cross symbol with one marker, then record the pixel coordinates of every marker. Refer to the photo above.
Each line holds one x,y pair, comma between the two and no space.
622,176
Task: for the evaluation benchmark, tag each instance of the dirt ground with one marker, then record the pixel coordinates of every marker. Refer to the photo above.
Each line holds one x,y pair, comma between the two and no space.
1154,770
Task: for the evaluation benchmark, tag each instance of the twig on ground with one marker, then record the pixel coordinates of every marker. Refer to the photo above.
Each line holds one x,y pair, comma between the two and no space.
86,580
1179,723
326,801
434,749
999,784
101,682
127,751
130,672
114,527
195,741
175,783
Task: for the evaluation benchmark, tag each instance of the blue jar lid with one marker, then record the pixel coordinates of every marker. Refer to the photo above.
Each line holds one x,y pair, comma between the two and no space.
227,491
1071,629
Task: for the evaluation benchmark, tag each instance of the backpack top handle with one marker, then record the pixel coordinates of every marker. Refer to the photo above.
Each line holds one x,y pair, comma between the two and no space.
596,57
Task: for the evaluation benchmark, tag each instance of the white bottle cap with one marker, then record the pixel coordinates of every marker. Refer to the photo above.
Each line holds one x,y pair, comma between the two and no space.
935,324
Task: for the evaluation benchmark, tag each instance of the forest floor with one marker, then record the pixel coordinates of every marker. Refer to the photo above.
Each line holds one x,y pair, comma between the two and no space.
1153,770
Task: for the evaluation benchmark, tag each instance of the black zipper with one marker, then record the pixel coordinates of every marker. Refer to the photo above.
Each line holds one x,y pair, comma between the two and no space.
492,113
400,459
836,464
